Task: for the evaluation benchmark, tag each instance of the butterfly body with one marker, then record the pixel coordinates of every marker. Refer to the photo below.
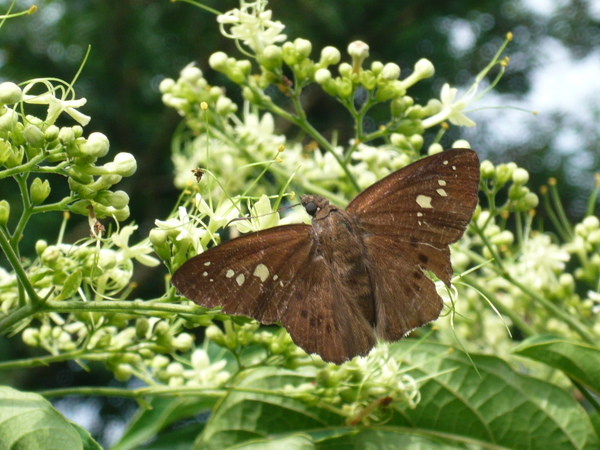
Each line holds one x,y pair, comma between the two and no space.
353,275
338,240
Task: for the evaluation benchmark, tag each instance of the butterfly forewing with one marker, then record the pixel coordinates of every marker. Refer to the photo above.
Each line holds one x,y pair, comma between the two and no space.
252,275
431,200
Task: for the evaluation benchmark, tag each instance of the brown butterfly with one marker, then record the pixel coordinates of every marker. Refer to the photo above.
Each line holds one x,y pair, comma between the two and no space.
354,275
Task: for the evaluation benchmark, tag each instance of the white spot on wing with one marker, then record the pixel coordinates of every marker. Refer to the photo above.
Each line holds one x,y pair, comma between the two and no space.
424,201
240,279
207,263
441,182
205,274
445,163
261,272
442,192
419,214
275,277
453,167
230,273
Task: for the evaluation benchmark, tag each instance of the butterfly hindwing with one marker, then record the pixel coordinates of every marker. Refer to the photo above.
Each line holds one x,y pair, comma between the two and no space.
431,200
322,319
253,275
405,298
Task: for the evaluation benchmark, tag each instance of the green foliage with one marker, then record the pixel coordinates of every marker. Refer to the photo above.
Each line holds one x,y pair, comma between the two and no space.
250,385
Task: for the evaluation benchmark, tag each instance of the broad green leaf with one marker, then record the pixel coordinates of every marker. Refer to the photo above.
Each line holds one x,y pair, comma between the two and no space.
368,439
29,422
578,360
499,407
87,440
161,413
296,442
244,415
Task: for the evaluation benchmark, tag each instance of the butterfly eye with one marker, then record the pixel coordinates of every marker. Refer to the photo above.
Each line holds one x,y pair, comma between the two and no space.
311,208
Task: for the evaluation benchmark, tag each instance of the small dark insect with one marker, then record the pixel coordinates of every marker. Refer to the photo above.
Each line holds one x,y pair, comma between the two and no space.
198,174
354,275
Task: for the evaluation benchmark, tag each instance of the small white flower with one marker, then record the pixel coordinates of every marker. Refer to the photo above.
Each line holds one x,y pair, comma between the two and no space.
452,108
263,217
139,251
252,25
56,105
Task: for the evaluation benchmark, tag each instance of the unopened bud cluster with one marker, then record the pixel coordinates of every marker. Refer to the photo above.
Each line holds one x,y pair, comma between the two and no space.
28,139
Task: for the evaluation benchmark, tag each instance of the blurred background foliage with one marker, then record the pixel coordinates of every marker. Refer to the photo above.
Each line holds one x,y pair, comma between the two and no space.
137,43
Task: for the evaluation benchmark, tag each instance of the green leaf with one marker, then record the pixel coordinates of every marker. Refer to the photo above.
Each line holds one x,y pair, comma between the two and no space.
296,442
244,415
161,413
496,407
368,439
499,407
87,440
578,360
29,422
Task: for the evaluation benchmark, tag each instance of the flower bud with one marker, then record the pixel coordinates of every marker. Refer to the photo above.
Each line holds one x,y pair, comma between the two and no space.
368,80
359,51
118,199
33,136
218,61
96,145
520,176
4,212
31,337
215,334
423,69
183,342
66,135
51,133
434,149
461,143
376,67
322,76
591,223
40,246
39,191
531,201
51,254
504,172
15,158
142,326
190,73
503,238
8,120
166,85
123,165
5,151
10,93
416,141
303,48
329,55
390,72
225,106
344,88
200,359
487,169
345,70
271,57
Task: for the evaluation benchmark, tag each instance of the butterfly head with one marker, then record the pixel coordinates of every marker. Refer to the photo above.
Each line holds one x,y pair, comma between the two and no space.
313,204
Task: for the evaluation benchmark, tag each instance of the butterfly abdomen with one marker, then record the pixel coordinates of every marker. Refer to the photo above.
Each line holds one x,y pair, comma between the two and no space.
341,244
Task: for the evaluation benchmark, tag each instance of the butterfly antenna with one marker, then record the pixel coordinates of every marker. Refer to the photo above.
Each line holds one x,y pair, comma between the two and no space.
262,215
